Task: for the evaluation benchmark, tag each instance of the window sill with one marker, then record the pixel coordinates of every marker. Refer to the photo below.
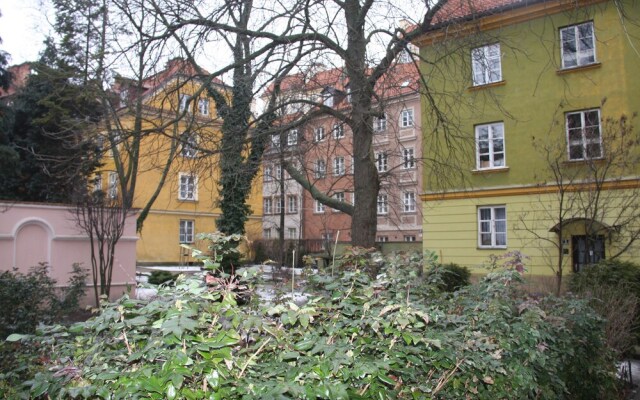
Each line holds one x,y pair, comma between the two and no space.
587,67
599,160
188,200
489,170
486,85
491,247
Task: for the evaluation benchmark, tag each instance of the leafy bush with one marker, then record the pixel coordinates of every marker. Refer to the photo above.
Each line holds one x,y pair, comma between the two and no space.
160,277
453,276
363,338
607,272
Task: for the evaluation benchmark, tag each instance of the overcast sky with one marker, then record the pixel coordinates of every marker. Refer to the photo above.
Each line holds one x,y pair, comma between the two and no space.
23,27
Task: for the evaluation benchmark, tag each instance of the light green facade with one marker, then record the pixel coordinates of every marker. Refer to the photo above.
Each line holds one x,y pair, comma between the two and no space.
531,102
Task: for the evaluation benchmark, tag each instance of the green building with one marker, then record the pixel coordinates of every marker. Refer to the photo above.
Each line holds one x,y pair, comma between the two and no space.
528,132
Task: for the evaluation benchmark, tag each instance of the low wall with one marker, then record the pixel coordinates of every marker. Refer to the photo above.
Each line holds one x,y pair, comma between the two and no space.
33,233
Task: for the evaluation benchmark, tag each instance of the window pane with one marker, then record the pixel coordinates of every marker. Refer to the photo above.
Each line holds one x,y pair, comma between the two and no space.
575,152
594,150
498,160
500,213
485,239
591,118
574,121
485,214
501,239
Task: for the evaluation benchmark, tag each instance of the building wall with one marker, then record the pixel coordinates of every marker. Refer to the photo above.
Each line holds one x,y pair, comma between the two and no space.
531,101
33,233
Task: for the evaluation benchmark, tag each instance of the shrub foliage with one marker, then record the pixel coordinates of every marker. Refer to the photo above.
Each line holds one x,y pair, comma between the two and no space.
361,337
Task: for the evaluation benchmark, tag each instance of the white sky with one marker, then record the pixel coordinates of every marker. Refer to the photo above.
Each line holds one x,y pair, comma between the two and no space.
23,27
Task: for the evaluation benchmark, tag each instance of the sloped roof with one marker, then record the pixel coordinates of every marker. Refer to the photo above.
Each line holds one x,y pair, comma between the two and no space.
464,10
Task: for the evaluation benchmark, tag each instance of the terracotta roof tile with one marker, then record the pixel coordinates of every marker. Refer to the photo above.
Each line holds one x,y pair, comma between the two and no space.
456,10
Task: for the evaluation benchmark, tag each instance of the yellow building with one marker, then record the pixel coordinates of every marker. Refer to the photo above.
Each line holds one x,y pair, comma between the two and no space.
165,134
539,100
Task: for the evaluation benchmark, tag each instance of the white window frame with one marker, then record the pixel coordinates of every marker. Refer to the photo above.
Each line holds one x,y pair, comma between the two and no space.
320,168
184,101
292,137
340,196
490,228
292,233
318,207
486,64
495,135
267,205
184,181
268,173
292,204
408,158
409,202
187,231
382,239
407,118
380,124
279,172
189,145
338,166
203,106
583,141
279,204
383,204
318,134
409,238
266,233
382,161
112,189
275,141
97,183
579,56
327,99
338,131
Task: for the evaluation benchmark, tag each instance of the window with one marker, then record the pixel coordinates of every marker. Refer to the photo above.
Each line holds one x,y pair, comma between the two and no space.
292,137
266,233
267,205
279,172
318,207
492,227
292,233
338,166
338,131
320,169
382,239
382,162
578,45
186,230
189,145
318,134
326,238
406,118
490,146
383,204
583,135
409,202
184,102
275,140
409,238
97,183
408,158
292,204
485,63
203,106
112,190
340,197
188,189
348,91
327,99
268,173
380,124
279,204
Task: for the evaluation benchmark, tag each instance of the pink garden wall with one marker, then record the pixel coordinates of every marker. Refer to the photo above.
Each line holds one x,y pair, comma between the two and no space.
31,233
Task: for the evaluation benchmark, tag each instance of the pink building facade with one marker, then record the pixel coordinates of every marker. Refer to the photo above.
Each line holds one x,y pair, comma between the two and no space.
34,233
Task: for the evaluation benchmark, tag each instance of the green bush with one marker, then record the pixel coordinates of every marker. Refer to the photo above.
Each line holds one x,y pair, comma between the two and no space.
362,337
453,276
160,277
607,272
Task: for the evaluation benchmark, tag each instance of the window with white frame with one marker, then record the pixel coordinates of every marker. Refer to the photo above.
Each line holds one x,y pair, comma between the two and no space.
408,158
492,227
348,91
380,123
112,190
279,202
318,207
490,150
279,172
292,137
382,239
188,187
338,166
203,106
486,64
578,45
292,204
383,204
584,136
338,131
406,118
184,102
268,173
340,197
267,205
318,134
320,169
275,141
382,162
409,238
409,202
292,233
97,182
266,233
187,230
327,99
188,145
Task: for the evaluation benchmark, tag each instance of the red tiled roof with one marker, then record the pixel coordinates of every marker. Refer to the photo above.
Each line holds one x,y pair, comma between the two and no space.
176,66
456,10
